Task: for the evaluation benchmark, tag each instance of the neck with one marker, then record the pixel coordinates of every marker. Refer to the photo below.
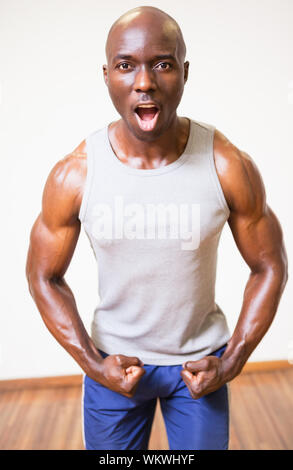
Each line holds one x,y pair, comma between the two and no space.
149,154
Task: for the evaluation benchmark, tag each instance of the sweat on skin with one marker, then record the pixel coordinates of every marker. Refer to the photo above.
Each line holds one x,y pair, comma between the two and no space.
145,75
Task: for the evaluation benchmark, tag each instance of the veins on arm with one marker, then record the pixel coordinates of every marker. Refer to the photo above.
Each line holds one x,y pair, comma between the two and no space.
258,235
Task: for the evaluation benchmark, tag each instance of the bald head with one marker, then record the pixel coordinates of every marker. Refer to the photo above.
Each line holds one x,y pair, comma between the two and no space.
150,17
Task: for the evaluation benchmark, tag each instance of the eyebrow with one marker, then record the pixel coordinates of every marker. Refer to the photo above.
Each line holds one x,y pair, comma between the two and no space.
157,57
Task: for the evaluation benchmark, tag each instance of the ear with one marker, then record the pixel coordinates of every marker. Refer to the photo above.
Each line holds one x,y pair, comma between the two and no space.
186,69
105,72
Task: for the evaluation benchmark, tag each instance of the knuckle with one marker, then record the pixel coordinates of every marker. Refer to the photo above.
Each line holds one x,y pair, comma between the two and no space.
214,374
128,391
183,376
194,395
196,390
127,387
205,363
118,359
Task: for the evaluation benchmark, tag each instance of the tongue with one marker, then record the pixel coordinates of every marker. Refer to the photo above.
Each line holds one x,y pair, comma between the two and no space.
146,114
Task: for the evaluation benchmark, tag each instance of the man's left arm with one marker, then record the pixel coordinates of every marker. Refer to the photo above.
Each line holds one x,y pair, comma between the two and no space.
258,236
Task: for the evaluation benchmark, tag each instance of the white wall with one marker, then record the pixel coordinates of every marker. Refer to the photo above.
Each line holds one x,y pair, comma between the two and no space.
53,95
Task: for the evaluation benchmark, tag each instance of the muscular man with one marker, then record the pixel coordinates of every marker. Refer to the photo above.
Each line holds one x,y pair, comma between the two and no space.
153,191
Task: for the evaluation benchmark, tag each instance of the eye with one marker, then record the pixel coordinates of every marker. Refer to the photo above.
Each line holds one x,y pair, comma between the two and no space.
164,65
123,66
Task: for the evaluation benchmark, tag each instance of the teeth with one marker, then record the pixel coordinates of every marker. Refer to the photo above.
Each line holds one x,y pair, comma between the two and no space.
146,106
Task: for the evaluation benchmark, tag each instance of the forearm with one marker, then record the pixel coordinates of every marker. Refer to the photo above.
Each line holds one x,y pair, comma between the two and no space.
260,302
57,306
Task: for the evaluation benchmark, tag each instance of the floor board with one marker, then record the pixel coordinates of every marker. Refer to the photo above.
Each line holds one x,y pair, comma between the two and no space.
261,415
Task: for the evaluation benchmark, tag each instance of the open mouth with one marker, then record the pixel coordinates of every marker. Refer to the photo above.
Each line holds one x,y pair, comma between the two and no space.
147,116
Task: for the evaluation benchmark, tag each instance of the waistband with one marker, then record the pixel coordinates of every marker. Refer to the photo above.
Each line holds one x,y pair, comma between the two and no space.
218,352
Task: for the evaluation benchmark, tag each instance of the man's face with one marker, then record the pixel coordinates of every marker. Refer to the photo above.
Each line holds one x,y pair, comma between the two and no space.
145,76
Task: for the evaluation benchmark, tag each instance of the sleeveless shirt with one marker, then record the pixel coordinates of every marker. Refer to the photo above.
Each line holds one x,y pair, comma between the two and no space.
155,234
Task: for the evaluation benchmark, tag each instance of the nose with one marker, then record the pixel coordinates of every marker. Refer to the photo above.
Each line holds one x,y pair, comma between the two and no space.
144,80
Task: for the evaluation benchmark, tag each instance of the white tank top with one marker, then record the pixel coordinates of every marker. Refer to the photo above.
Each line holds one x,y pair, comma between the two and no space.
155,235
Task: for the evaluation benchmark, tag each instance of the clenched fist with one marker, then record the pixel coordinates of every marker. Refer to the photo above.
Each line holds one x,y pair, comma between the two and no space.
203,376
121,373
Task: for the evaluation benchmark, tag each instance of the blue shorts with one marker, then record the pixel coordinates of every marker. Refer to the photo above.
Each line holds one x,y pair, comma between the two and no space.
113,421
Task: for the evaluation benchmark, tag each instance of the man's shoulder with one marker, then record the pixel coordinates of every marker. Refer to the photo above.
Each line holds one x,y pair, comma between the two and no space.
64,185
228,156
238,173
70,172
72,167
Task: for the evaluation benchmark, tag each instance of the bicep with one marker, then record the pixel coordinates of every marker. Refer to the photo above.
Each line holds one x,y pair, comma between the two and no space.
51,249
255,228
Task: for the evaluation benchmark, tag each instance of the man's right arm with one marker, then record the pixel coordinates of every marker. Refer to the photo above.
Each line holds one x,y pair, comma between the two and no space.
53,240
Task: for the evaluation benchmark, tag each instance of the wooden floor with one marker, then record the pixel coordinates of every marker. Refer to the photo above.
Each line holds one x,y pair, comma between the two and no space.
261,415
